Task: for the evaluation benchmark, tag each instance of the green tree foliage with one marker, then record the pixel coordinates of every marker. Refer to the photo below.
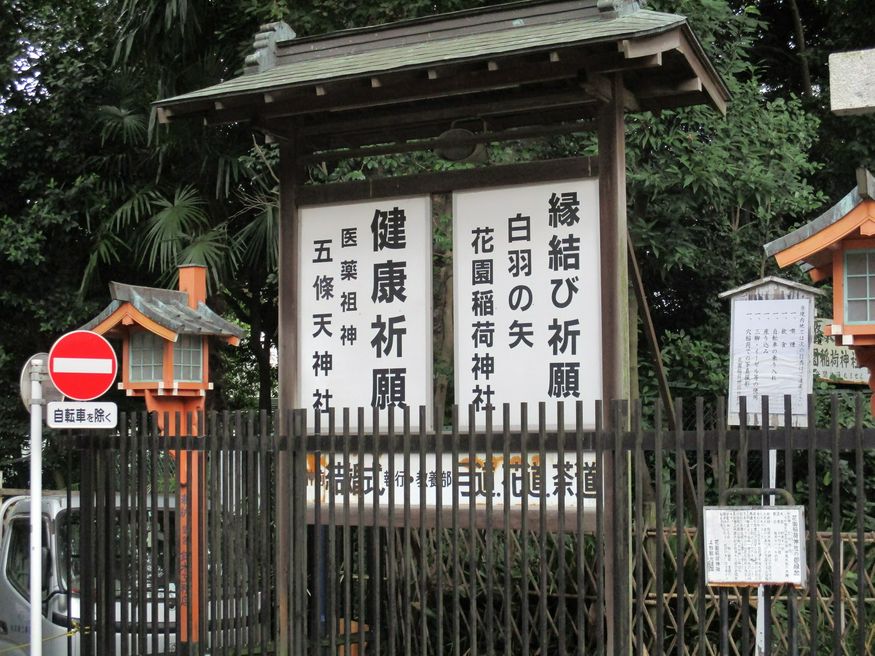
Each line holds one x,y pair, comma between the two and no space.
707,192
824,26
317,16
53,79
189,193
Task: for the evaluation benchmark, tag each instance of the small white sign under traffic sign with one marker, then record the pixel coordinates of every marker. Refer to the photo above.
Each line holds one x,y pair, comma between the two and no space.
80,414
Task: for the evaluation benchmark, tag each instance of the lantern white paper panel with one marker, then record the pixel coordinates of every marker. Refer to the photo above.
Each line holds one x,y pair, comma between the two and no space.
365,320
527,300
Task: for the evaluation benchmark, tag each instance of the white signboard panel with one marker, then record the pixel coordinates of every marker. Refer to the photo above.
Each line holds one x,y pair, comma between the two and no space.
81,414
836,364
365,326
527,299
755,545
425,483
770,355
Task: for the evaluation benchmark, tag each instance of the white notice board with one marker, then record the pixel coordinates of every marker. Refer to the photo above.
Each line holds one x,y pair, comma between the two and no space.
526,285
755,545
365,320
770,355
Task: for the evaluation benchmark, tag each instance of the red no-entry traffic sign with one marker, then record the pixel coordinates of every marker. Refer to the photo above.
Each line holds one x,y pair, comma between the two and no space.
82,365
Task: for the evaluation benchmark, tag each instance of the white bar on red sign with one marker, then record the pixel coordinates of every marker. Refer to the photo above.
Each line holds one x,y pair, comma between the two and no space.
81,414
83,365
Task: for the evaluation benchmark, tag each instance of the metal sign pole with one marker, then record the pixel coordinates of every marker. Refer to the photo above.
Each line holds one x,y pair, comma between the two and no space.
36,468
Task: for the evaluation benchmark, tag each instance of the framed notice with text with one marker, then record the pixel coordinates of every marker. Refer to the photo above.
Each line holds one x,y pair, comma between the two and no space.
527,300
755,545
770,356
365,318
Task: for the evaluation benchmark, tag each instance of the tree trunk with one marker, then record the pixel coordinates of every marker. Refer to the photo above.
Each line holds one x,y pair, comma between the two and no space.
443,319
801,49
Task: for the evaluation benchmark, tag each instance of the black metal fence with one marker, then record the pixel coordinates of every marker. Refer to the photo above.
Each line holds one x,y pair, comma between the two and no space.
395,540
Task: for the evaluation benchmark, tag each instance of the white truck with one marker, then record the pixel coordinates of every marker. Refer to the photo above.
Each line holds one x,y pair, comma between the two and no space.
61,566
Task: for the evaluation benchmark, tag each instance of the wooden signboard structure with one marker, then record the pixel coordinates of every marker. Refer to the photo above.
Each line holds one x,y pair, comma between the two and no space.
521,70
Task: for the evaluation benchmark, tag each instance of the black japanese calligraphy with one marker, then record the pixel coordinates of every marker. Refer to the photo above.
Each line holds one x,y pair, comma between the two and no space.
570,290
482,303
519,228
389,388
483,240
483,398
564,336
481,272
348,335
324,286
520,262
388,336
484,365
348,301
520,298
390,282
322,362
322,322
484,334
322,401
322,250
388,229
564,254
349,270
564,209
348,237
520,332
564,379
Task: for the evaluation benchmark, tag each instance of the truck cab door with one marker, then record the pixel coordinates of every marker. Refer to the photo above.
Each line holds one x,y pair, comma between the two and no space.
15,591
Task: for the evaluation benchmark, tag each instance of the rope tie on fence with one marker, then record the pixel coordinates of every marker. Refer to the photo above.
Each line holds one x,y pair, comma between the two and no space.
76,628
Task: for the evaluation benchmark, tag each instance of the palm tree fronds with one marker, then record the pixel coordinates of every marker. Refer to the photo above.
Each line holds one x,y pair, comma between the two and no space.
171,227
211,250
119,122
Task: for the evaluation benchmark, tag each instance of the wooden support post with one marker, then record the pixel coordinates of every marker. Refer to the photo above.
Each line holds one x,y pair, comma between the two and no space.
615,342
288,375
649,333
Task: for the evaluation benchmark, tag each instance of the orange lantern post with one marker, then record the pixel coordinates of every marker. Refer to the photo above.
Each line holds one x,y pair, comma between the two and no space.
840,244
165,360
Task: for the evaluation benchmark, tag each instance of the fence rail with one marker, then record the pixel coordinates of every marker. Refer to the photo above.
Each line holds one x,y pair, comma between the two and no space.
578,540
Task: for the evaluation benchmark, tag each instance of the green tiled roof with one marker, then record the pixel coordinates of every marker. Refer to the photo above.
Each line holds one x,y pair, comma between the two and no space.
440,51
169,309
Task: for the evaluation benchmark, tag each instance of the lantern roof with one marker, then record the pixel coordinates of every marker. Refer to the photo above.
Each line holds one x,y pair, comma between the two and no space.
163,311
811,244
